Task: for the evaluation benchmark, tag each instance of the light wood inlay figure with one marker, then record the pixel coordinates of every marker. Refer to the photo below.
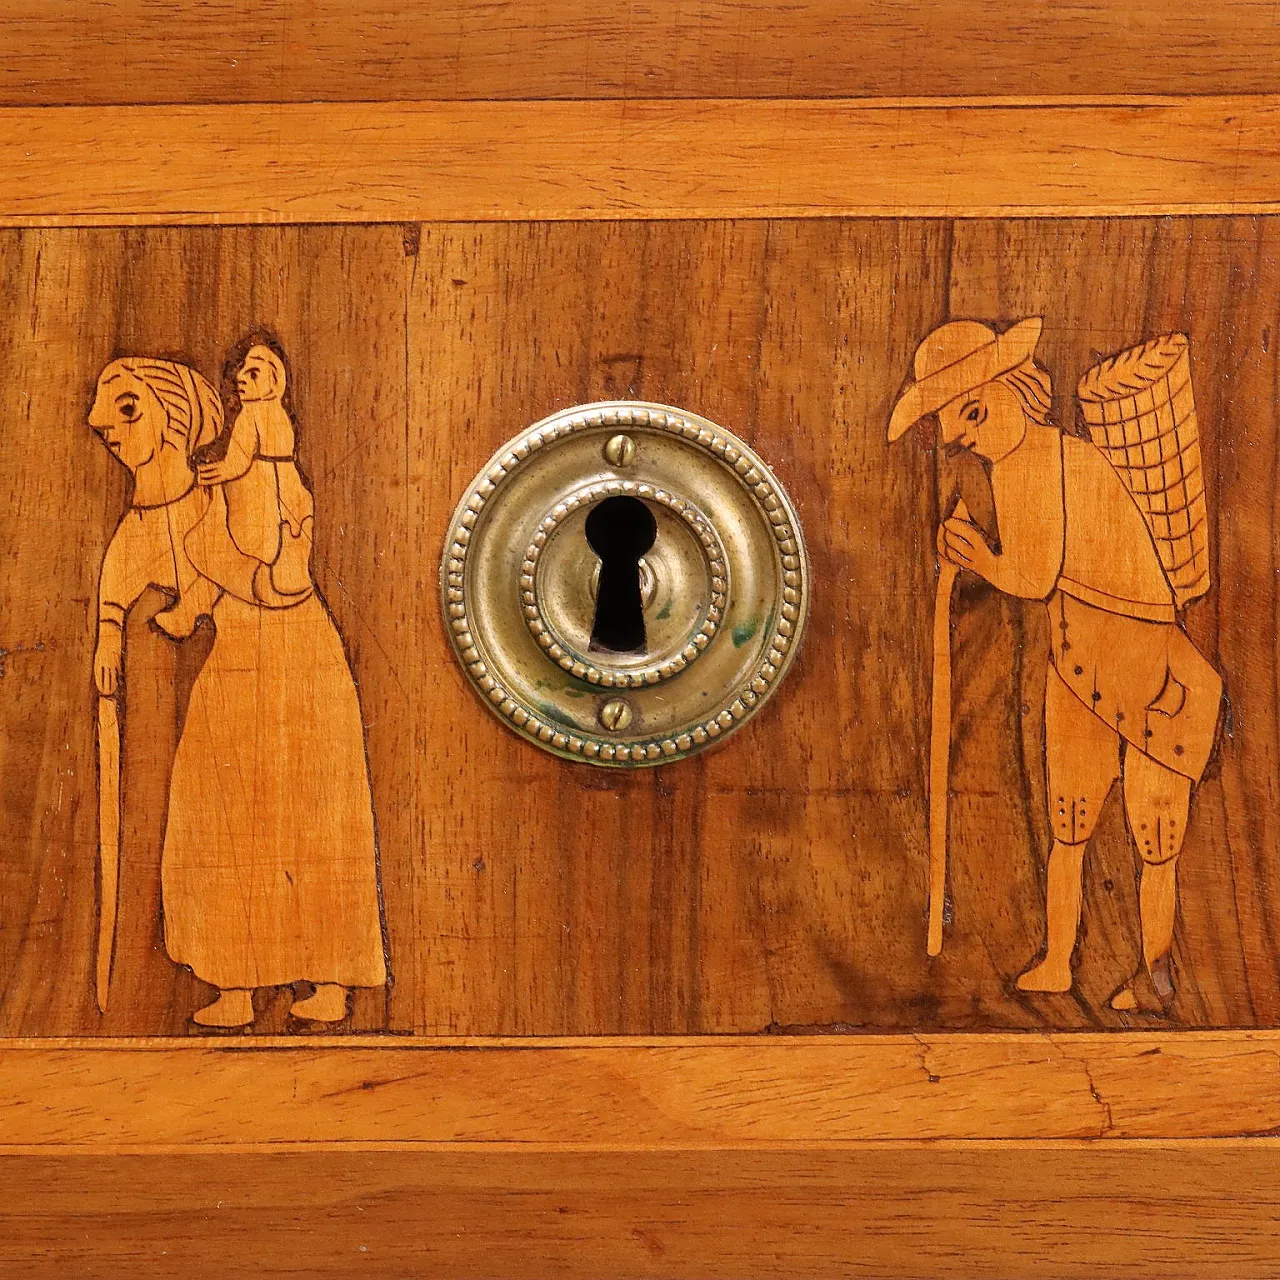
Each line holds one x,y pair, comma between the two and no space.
269,870
1112,534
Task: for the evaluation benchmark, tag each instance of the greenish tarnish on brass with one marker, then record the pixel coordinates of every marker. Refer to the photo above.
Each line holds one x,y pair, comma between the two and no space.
743,631
552,712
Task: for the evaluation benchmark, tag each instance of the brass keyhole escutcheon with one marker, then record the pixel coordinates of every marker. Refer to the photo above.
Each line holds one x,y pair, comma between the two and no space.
625,583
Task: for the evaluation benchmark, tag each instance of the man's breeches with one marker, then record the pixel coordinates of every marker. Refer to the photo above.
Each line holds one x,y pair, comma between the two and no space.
1083,760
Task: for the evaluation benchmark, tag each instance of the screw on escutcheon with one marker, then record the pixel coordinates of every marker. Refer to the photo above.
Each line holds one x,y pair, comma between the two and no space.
620,451
616,714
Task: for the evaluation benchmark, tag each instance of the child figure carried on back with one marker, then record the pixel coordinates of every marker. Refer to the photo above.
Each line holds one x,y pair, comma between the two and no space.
270,514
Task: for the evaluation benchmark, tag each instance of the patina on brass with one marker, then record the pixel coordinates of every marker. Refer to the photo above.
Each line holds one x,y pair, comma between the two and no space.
723,588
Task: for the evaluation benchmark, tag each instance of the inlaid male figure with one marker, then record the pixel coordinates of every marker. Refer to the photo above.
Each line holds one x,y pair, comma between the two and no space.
1110,534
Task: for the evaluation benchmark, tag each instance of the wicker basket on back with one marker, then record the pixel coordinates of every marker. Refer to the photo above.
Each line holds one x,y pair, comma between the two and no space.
1140,411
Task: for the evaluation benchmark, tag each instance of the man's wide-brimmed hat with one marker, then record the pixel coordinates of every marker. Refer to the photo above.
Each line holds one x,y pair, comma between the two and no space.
957,357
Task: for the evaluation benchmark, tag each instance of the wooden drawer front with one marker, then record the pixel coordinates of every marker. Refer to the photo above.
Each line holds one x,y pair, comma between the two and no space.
777,883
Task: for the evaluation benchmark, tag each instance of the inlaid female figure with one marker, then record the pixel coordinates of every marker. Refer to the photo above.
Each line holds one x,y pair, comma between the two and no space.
269,870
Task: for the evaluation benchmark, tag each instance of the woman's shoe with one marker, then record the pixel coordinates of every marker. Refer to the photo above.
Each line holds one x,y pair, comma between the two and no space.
230,1009
327,1004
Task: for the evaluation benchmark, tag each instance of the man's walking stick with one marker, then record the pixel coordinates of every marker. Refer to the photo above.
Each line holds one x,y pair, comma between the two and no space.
940,744
108,838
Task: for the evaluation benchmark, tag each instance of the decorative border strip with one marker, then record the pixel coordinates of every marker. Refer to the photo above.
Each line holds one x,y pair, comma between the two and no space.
501,161
773,504
642,1092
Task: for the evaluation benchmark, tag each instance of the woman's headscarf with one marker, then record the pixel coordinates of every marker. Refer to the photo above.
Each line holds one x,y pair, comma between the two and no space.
191,401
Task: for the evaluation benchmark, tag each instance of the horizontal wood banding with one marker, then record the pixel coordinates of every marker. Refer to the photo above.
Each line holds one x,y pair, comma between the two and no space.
636,159
620,1095
304,50
1198,1211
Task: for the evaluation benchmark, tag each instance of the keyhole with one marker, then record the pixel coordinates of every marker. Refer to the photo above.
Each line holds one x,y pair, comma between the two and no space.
620,530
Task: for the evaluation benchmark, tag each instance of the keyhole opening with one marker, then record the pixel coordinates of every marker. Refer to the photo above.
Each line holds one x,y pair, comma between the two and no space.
620,530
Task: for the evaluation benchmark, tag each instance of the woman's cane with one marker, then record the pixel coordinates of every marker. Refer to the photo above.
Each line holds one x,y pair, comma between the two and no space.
108,838
940,744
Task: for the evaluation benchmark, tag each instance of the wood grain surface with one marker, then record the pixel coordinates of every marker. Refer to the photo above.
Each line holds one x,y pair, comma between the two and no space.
125,51
776,883
353,162
1181,1211
151,1095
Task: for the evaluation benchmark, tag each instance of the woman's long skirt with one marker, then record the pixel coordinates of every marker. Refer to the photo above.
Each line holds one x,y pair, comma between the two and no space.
270,871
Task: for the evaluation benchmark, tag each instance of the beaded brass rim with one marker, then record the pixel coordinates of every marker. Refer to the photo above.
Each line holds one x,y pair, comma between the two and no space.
583,666
762,599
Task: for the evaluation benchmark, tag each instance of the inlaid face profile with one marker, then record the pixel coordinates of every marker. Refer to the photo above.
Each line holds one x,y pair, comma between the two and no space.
128,416
261,375
988,421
